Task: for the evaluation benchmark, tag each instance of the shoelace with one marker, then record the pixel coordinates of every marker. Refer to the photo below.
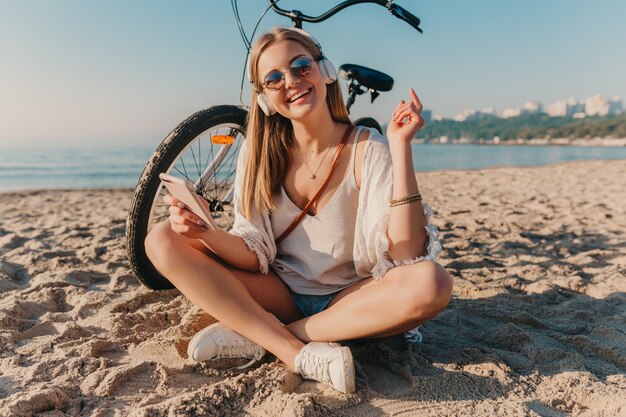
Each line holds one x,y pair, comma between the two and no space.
239,350
315,367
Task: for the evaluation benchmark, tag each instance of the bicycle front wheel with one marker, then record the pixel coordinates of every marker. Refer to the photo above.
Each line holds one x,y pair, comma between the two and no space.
203,149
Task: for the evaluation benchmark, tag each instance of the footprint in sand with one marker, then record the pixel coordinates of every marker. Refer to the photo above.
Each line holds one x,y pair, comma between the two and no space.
85,278
148,314
12,276
123,380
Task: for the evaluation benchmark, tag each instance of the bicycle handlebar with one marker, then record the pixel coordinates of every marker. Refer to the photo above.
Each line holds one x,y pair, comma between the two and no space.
298,17
401,13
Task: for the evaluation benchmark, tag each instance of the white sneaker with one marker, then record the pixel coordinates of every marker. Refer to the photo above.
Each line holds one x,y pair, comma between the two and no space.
329,363
220,341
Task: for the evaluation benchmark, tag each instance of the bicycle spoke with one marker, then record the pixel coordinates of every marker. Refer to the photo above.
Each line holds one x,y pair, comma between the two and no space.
193,155
226,182
222,184
213,159
182,161
200,158
181,173
228,221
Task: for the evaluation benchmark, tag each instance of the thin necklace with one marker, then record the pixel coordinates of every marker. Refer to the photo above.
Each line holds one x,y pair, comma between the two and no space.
314,174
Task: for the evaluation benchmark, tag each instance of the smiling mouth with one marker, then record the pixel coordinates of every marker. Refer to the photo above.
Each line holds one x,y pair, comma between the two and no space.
297,96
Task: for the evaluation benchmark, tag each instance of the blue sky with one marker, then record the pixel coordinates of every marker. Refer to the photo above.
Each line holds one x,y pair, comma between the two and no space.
128,71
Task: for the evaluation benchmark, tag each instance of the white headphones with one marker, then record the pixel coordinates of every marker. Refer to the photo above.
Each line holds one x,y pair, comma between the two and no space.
327,70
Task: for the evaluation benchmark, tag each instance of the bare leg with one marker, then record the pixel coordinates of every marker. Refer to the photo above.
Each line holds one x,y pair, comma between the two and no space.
406,297
226,292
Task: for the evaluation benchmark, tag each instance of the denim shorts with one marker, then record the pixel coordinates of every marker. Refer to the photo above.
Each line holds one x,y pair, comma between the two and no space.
312,304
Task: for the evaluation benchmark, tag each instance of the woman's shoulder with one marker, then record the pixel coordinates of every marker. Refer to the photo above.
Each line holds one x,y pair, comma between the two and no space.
374,135
369,137
374,144
372,153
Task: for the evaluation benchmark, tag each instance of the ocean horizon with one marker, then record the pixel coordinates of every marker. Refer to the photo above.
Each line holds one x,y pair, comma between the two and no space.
120,166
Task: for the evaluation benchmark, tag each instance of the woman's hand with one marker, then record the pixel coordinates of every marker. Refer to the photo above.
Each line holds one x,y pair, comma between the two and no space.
406,121
183,221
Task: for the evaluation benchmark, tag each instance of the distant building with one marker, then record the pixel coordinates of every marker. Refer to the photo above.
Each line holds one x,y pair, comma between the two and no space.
615,104
464,115
597,106
558,108
427,115
571,107
532,107
565,107
472,114
511,112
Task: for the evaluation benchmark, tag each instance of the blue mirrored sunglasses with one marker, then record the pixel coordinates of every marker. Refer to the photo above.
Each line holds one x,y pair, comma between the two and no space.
299,68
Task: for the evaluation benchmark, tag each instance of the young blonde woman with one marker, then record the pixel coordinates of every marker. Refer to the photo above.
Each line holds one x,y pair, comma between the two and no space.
358,264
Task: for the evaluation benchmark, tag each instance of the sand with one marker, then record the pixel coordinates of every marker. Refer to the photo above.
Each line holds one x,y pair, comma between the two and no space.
536,326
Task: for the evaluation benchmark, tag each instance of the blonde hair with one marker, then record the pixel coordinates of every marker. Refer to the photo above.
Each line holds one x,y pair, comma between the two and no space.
269,137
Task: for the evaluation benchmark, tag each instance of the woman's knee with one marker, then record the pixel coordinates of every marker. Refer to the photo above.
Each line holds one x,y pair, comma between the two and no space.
425,289
160,242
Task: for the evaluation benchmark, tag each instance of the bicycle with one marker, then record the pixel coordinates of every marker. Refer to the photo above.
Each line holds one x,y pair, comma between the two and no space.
219,131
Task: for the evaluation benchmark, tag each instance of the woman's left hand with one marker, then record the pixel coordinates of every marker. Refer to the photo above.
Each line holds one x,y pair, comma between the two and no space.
406,121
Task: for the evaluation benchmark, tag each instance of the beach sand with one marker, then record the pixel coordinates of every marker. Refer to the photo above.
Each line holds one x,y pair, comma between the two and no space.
536,326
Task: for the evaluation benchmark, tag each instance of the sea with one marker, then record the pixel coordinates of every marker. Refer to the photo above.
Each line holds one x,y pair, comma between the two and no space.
120,166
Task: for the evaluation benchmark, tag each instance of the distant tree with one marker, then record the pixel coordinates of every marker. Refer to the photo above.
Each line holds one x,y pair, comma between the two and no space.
527,127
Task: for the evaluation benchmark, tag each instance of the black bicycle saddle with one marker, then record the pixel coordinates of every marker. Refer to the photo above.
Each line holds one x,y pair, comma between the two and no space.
367,77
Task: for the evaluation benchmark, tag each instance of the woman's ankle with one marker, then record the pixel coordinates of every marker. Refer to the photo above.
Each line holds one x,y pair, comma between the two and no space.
290,353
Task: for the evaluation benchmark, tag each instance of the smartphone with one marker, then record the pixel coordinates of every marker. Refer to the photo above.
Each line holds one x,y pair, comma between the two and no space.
183,190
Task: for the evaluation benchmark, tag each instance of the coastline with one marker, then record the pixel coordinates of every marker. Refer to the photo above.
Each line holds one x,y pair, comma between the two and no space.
581,142
119,167
535,325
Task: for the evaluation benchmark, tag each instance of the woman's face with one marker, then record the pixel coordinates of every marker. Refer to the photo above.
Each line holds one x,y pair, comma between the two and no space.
298,98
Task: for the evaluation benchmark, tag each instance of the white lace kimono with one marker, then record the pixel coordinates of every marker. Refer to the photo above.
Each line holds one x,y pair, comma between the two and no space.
372,220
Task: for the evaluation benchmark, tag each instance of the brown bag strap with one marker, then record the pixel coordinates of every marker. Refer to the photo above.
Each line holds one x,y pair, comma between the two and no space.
321,190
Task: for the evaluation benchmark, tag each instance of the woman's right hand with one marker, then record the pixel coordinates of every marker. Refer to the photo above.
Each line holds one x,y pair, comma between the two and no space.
183,221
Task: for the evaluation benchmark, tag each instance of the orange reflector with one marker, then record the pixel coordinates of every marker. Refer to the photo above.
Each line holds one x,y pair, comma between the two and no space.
223,140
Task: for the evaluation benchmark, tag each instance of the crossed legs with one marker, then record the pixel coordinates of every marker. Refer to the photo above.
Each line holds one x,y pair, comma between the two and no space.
406,297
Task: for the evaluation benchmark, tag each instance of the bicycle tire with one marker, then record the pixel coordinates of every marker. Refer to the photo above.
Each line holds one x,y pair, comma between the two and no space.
369,122
145,203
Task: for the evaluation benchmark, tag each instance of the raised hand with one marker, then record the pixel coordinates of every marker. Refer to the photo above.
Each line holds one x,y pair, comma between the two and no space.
406,121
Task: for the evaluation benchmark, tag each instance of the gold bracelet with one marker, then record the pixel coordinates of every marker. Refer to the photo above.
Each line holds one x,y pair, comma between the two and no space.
405,200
